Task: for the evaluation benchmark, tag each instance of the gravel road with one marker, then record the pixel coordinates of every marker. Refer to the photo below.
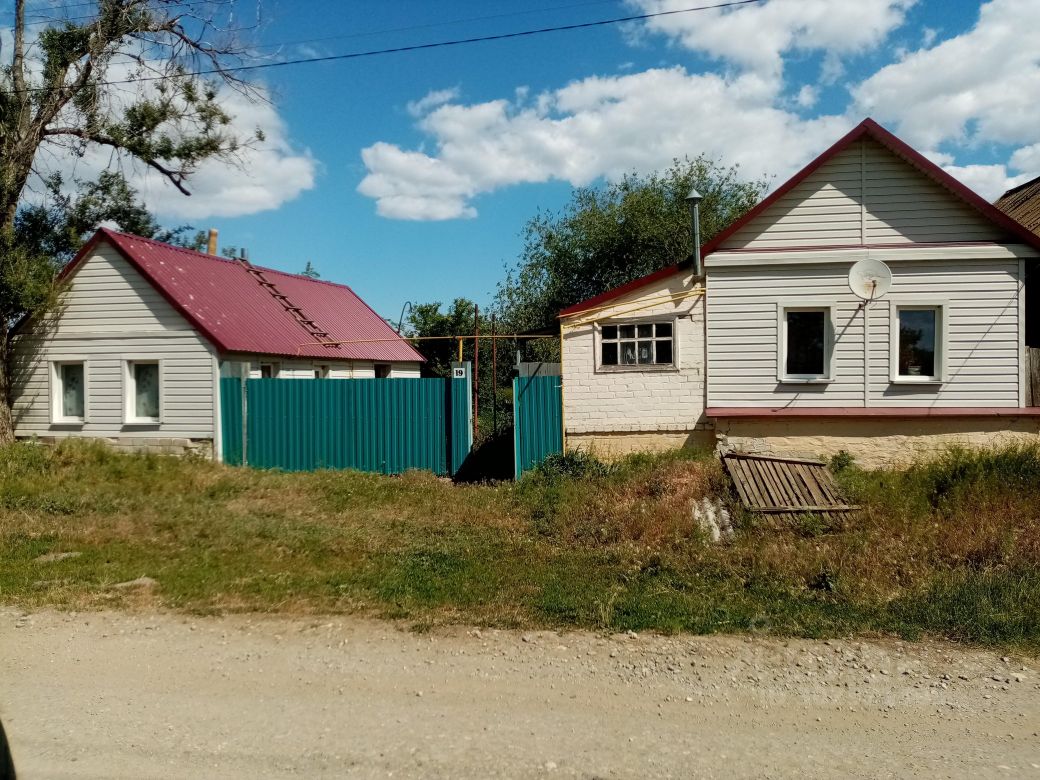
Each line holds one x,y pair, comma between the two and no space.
135,695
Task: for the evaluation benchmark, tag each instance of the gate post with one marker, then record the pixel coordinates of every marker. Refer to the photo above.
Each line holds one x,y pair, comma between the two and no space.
460,418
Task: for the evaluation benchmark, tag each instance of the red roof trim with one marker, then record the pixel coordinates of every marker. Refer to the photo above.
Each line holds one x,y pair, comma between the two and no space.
862,412
868,127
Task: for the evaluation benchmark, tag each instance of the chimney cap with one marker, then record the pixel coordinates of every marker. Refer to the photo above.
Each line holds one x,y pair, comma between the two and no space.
694,196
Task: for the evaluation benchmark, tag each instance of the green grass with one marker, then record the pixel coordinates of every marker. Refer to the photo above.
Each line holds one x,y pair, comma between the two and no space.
948,548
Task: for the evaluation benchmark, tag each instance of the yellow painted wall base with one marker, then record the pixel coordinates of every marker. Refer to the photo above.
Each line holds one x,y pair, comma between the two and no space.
874,443
609,446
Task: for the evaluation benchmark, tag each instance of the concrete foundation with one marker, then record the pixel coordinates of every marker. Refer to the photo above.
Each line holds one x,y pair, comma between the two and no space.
160,446
874,442
609,446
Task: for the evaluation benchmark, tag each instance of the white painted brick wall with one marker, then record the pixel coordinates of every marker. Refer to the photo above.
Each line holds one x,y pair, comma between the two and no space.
598,400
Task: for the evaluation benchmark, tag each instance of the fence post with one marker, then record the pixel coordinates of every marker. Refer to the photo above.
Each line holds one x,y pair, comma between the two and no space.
460,417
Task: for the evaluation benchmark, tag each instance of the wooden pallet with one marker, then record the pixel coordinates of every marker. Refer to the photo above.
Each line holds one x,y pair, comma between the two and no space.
786,488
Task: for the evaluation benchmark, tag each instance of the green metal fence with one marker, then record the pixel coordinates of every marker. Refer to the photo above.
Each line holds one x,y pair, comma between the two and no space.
537,420
380,425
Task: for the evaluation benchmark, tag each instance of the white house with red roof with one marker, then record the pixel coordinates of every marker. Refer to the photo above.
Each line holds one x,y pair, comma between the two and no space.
771,351
145,330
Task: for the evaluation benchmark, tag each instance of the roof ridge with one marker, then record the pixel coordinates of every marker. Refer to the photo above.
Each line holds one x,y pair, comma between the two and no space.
222,259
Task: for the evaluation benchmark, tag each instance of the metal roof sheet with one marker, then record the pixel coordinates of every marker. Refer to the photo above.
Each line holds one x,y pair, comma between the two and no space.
232,309
1022,203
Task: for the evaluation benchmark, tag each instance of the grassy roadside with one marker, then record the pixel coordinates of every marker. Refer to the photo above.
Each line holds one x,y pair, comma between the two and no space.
949,548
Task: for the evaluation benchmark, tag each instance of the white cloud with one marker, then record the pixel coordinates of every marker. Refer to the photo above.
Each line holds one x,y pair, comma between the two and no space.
755,37
806,96
989,181
431,100
599,126
981,86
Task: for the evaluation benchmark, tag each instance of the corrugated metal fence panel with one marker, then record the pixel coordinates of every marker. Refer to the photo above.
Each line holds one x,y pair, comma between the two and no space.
381,425
461,441
231,419
537,416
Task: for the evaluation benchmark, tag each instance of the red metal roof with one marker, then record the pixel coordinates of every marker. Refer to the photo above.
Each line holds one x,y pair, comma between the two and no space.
868,128
228,305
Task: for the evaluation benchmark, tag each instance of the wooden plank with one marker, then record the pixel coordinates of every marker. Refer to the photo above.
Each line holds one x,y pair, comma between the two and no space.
1032,376
749,456
810,508
790,484
761,469
733,467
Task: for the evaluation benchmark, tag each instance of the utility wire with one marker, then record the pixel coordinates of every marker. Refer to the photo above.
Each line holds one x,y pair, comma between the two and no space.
413,47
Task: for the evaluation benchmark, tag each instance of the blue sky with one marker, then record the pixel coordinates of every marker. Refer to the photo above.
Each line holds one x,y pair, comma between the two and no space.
409,200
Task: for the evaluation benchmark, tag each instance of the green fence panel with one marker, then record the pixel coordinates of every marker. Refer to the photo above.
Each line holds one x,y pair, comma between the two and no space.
231,419
380,425
537,420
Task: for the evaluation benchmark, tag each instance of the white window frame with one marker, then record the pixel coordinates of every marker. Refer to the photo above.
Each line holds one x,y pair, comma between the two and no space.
828,343
637,367
56,391
321,371
942,339
129,401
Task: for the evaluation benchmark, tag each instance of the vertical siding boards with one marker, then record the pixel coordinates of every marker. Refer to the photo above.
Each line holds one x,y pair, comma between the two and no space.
231,419
537,408
460,408
367,425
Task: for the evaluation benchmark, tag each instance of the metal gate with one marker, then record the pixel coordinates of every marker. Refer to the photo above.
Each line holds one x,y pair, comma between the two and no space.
537,420
381,425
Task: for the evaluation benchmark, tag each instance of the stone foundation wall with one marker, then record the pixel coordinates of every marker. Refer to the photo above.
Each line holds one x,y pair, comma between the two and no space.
609,446
875,442
153,444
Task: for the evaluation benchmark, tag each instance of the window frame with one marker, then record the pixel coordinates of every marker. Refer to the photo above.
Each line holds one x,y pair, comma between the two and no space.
321,371
56,391
129,386
941,308
782,308
276,369
669,319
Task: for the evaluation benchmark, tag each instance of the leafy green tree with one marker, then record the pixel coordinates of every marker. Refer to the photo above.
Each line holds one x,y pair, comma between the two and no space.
122,79
427,319
58,226
607,236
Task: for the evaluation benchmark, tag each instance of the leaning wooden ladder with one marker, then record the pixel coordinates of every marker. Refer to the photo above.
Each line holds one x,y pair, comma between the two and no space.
308,324
786,488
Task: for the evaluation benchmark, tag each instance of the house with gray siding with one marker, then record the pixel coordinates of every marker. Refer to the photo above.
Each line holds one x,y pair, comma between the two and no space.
791,360
144,331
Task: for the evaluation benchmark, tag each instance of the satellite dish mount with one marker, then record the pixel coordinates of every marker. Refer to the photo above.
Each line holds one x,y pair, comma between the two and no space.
870,279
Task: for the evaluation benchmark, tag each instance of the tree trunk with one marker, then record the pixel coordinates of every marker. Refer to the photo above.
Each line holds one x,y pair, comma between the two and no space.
6,415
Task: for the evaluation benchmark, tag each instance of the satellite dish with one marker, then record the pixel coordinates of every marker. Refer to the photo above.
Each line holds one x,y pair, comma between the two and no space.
870,279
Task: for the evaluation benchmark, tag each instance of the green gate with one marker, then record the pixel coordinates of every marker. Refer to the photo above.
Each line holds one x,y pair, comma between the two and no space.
537,420
381,425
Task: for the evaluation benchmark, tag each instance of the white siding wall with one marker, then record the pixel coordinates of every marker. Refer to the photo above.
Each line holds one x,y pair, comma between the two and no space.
982,353
608,400
112,314
864,195
304,369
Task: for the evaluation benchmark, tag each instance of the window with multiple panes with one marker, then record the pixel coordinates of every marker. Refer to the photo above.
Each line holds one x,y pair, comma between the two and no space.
70,392
144,394
637,343
920,329
806,343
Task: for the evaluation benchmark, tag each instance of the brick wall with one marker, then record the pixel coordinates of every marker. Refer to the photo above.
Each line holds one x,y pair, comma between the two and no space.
638,399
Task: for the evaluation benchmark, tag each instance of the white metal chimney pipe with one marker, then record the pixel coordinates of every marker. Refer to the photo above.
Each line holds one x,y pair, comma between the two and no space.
693,200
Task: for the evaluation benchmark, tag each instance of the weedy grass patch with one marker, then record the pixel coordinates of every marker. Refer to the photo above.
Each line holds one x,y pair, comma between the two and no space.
948,547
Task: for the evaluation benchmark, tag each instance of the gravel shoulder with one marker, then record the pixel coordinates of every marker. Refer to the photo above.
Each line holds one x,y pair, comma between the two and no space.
136,695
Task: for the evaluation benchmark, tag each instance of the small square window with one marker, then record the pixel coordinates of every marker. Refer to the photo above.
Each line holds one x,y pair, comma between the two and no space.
627,331
144,396
382,370
645,331
918,352
268,371
610,332
664,330
69,403
610,352
806,344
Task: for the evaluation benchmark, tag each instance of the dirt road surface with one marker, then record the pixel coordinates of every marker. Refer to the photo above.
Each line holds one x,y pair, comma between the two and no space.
157,695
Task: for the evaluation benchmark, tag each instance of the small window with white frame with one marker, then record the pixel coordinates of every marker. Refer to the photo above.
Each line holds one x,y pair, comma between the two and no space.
637,344
268,370
143,391
69,395
917,343
805,344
